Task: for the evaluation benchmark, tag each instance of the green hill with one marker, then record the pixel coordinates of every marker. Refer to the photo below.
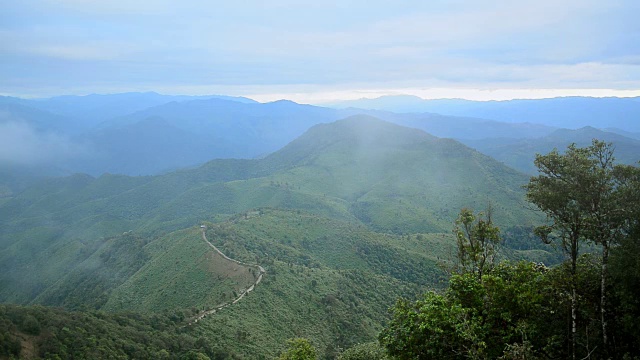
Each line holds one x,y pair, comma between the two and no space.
326,279
399,179
359,170
344,219
337,276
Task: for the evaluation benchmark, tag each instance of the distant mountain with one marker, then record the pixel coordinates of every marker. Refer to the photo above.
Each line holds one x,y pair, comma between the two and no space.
171,135
456,127
92,109
520,153
392,103
396,178
633,135
149,146
250,129
35,143
185,132
149,133
181,134
563,112
14,110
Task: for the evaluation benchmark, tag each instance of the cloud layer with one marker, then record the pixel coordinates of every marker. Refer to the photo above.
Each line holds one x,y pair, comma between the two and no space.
52,47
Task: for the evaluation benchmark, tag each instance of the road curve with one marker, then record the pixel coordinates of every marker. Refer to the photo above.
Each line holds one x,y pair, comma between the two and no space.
203,314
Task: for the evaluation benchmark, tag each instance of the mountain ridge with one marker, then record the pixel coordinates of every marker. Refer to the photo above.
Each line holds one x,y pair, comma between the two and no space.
569,112
520,153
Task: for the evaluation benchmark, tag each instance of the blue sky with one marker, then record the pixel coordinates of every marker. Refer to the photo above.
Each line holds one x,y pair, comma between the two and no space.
320,51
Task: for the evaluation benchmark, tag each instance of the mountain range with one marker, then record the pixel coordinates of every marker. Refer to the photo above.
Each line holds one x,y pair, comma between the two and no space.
148,133
565,112
520,153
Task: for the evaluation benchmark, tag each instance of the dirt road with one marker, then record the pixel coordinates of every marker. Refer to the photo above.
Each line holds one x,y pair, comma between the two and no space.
241,295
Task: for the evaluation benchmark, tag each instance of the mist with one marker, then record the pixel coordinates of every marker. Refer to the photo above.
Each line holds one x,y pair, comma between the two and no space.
22,144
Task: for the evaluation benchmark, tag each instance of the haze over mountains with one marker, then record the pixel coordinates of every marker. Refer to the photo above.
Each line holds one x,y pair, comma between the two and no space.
564,112
149,133
520,153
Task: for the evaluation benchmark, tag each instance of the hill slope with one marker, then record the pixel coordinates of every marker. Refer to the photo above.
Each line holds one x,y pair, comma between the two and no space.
345,219
359,170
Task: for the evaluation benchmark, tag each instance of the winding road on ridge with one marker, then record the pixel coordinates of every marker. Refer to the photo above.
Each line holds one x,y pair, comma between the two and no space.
203,314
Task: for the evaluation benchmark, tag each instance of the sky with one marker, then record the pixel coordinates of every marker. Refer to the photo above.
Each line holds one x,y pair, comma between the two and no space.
321,51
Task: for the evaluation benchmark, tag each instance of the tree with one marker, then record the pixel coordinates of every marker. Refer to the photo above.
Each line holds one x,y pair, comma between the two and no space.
426,329
506,313
299,349
625,267
585,197
477,240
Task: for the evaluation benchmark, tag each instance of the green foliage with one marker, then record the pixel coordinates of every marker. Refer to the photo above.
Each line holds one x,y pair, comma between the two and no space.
587,198
520,310
97,335
332,217
30,325
90,284
477,239
357,274
625,292
476,319
303,238
183,272
365,351
584,195
299,349
520,154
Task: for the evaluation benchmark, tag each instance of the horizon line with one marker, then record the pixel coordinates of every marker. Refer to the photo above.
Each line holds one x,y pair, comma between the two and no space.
329,97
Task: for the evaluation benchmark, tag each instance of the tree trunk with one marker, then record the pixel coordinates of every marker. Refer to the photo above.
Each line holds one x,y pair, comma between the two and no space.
574,295
603,294
574,316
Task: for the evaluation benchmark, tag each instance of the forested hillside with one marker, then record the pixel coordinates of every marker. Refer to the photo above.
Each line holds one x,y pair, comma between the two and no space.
345,219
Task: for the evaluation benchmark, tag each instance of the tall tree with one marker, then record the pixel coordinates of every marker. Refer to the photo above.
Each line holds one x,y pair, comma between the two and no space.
581,192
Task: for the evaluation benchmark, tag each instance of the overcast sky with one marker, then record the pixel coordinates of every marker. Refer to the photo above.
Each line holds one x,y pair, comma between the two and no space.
316,51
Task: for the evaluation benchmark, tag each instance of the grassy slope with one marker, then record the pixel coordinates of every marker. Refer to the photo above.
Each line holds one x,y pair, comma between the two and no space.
335,276
183,272
329,280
